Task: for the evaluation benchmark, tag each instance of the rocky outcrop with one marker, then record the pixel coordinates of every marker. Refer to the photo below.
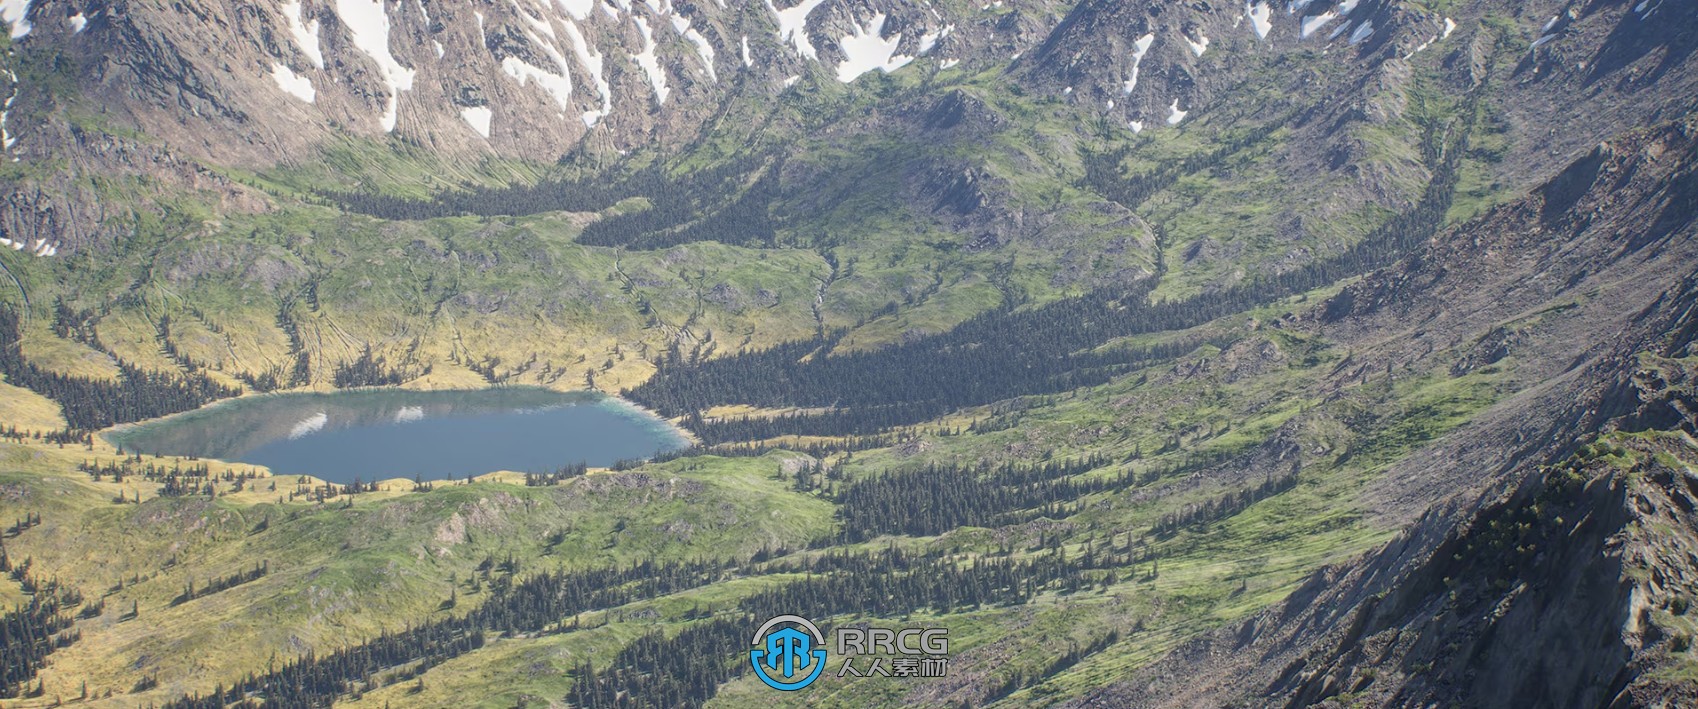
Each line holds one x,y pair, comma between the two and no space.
1539,564
243,84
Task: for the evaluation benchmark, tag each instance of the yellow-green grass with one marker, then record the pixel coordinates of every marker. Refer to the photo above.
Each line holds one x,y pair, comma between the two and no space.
339,576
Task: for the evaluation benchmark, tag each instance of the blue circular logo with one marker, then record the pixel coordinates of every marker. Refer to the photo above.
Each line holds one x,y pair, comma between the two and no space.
780,655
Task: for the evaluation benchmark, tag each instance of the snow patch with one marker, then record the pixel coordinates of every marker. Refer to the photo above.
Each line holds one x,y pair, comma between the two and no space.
440,50
867,49
306,35
1315,22
592,61
791,80
42,247
1362,33
1139,48
409,414
16,13
542,26
558,86
1259,21
1296,6
1645,8
478,118
649,64
7,140
947,63
792,25
309,425
1136,126
1174,115
1197,47
704,48
578,9
1549,31
368,22
294,84
1422,47
78,22
747,60
1449,27
929,40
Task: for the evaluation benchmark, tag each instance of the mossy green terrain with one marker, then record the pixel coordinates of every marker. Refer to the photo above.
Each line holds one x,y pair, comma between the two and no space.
1236,468
340,575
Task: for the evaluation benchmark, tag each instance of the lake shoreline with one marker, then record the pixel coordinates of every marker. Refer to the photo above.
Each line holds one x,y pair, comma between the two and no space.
389,432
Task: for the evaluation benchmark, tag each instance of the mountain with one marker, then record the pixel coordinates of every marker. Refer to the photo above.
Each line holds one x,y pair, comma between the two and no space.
1168,354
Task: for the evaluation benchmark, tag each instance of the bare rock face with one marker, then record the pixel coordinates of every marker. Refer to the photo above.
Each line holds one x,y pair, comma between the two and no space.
240,83
250,86
1556,569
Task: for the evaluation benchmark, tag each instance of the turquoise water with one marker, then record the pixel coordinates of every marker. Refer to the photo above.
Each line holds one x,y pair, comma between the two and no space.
377,434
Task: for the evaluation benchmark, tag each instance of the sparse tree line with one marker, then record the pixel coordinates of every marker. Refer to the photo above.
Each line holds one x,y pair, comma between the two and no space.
196,478
546,602
837,422
1018,680
76,325
682,670
590,195
557,476
817,449
1102,170
29,521
989,358
1224,506
222,583
61,436
300,374
680,210
168,346
676,215
372,370
90,404
938,498
1008,353
34,630
687,669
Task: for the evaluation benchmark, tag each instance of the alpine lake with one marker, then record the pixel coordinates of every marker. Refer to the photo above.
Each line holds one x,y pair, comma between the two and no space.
378,434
